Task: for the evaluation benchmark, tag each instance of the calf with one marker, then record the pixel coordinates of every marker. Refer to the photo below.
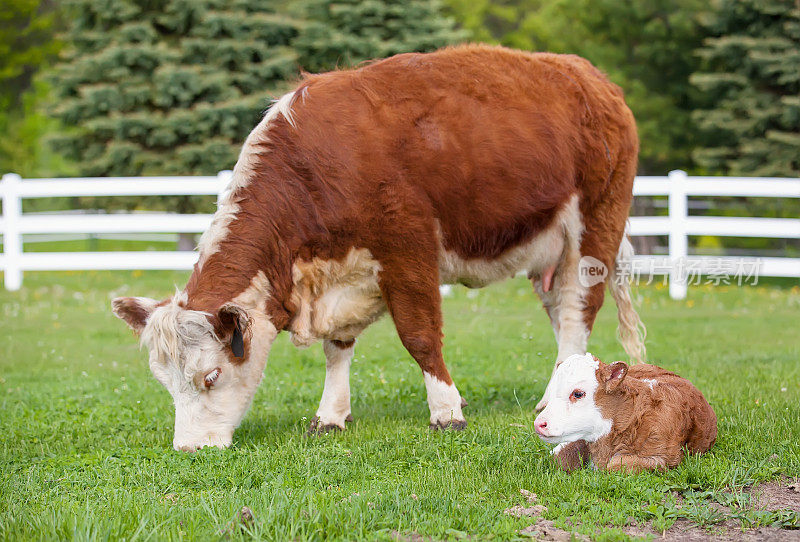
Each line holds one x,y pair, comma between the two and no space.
619,417
360,191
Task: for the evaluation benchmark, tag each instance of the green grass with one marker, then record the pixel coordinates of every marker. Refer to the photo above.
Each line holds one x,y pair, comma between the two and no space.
86,431
98,245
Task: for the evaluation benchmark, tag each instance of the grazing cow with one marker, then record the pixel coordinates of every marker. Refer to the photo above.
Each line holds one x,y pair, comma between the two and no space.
362,190
623,418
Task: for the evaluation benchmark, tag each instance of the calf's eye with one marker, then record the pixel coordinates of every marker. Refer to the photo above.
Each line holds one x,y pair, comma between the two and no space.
211,377
577,394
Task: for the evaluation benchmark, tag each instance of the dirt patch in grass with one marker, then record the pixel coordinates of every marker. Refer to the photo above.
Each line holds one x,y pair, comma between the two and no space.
544,529
775,496
413,536
778,495
409,537
684,530
520,511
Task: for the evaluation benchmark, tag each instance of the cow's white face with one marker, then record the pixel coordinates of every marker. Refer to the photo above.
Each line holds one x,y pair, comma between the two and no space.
194,355
572,414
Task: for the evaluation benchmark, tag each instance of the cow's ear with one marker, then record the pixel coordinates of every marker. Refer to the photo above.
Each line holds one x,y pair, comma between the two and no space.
615,374
233,324
134,310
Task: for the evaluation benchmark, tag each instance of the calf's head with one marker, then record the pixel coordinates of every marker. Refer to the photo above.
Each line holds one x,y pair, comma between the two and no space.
573,412
211,363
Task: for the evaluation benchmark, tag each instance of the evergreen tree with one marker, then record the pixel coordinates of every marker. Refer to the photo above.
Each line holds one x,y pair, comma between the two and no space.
751,80
168,86
347,32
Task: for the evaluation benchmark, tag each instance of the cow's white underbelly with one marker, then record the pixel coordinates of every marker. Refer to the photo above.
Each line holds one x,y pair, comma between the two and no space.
539,253
338,299
533,257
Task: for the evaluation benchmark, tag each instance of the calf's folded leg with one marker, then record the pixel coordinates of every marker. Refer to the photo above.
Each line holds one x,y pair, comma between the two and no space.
635,463
573,455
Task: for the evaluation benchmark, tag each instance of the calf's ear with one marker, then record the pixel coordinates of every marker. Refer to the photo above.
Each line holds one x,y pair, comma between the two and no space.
134,310
615,374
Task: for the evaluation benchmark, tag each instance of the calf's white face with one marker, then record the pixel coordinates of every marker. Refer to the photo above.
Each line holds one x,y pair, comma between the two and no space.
197,362
571,414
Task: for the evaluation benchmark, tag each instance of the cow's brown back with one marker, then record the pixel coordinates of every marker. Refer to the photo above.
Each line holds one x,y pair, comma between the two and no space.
490,141
476,146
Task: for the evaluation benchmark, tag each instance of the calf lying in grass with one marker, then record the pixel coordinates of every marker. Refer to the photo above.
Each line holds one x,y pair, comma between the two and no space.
619,417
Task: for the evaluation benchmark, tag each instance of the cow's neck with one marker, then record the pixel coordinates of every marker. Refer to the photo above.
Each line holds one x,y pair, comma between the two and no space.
255,237
241,277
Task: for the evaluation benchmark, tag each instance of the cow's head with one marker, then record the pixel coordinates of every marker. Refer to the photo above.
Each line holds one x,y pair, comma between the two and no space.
572,412
211,363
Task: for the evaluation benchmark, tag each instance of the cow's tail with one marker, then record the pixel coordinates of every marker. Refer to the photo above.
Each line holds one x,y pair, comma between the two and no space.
631,330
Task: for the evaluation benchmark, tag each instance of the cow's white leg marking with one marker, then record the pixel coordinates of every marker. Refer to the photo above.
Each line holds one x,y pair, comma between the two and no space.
565,300
444,402
334,407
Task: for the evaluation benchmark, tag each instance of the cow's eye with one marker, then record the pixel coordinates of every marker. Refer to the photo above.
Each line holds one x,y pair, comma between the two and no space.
211,377
577,394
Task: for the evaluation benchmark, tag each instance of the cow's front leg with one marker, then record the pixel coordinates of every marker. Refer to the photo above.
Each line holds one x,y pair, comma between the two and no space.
413,298
334,407
444,402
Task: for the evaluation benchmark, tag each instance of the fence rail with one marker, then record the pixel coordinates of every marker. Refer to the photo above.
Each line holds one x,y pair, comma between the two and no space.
678,225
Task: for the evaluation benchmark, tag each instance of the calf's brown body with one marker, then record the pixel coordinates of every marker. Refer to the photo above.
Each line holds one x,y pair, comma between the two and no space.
656,415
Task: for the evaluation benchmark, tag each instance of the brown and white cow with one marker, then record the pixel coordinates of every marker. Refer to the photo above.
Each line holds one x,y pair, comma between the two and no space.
362,190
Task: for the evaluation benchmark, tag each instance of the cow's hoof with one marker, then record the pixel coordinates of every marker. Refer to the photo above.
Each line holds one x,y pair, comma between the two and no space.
455,425
316,427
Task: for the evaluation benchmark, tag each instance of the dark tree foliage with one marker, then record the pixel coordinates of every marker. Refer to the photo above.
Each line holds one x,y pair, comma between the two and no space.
168,86
27,44
751,82
346,32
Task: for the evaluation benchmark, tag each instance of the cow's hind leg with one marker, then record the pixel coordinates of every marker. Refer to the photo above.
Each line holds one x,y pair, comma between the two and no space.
588,264
574,300
334,407
413,299
563,294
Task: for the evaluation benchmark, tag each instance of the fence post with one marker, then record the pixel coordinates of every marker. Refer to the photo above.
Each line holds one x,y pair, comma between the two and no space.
678,240
12,238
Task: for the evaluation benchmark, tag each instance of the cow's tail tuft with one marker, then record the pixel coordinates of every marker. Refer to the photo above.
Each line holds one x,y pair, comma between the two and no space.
631,330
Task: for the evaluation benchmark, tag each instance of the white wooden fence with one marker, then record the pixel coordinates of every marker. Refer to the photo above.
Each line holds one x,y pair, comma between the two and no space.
678,225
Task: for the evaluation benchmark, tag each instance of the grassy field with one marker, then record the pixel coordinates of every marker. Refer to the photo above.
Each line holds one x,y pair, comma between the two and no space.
85,430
